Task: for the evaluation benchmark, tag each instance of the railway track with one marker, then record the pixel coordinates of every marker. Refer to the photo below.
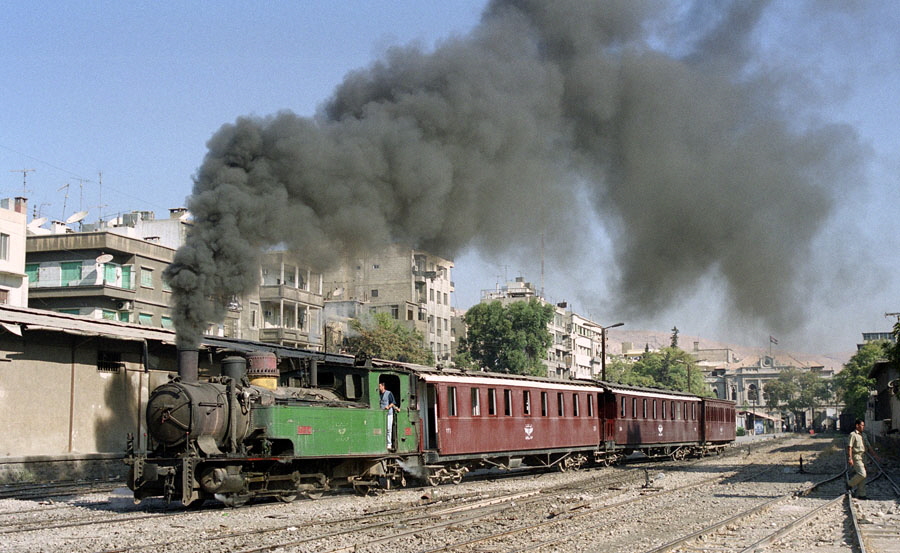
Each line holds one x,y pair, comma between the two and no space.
608,509
62,488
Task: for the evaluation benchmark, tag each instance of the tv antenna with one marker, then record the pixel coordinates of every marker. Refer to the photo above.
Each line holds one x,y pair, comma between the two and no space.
81,192
893,315
65,198
24,178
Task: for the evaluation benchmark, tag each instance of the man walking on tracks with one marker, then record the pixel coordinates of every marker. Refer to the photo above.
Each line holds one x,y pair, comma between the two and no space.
856,452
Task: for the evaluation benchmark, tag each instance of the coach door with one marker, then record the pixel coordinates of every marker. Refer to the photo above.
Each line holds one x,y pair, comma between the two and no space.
430,417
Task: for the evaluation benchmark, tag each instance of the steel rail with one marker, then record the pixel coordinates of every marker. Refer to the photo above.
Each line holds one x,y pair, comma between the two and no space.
583,509
854,518
768,540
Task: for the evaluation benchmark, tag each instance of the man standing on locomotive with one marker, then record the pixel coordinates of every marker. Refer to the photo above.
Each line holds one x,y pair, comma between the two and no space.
856,452
390,404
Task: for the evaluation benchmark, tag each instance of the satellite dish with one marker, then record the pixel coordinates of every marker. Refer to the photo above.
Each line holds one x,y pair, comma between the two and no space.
105,258
35,223
337,292
75,217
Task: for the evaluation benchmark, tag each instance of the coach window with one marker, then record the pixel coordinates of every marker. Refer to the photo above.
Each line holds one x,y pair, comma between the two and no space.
590,405
644,414
674,410
492,401
526,402
476,404
693,411
654,409
560,407
634,407
664,409
622,413
544,404
575,404
451,400
507,403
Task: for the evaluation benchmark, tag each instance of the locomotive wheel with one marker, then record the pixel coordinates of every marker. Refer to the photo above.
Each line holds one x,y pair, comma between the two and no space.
286,498
433,479
313,495
457,478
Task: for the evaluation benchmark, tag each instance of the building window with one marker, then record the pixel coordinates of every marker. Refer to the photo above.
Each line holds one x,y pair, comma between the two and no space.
166,322
109,315
374,293
4,296
376,266
4,246
109,362
395,311
145,319
146,277
127,282
33,272
70,272
446,299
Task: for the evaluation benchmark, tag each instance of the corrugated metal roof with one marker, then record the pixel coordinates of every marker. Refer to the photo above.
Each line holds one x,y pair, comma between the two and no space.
39,319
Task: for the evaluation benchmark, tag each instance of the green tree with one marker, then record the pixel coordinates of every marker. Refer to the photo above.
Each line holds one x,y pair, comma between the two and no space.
513,338
797,391
852,384
383,337
670,368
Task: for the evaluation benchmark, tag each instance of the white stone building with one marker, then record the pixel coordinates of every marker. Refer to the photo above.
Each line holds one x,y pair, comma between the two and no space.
13,281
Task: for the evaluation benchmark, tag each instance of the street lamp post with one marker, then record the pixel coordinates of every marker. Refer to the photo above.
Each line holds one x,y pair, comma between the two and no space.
603,349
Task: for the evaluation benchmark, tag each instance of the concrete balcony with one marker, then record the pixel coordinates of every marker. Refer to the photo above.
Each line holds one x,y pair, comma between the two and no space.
283,292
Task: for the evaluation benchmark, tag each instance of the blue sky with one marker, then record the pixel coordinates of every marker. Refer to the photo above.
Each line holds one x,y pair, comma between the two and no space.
135,90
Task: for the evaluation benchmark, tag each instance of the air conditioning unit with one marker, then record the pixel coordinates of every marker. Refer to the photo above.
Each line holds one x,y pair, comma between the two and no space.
124,305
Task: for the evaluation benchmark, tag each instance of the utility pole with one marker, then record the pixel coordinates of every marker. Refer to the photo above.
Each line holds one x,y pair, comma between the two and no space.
24,179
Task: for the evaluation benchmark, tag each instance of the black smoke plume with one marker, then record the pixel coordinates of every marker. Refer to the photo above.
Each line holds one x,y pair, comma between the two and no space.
685,148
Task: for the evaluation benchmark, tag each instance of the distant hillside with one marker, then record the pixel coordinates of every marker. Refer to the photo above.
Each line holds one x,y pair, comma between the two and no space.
657,340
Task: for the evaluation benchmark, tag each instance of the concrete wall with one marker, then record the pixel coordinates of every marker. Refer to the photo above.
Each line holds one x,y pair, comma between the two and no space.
62,400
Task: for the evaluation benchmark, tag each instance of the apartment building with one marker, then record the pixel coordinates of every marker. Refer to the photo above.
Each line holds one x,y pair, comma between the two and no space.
413,287
13,282
289,307
576,350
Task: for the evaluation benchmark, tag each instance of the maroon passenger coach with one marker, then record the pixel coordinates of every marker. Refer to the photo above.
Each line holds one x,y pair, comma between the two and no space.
474,419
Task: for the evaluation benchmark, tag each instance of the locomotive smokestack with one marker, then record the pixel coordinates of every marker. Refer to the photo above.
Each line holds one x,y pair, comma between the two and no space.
188,363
